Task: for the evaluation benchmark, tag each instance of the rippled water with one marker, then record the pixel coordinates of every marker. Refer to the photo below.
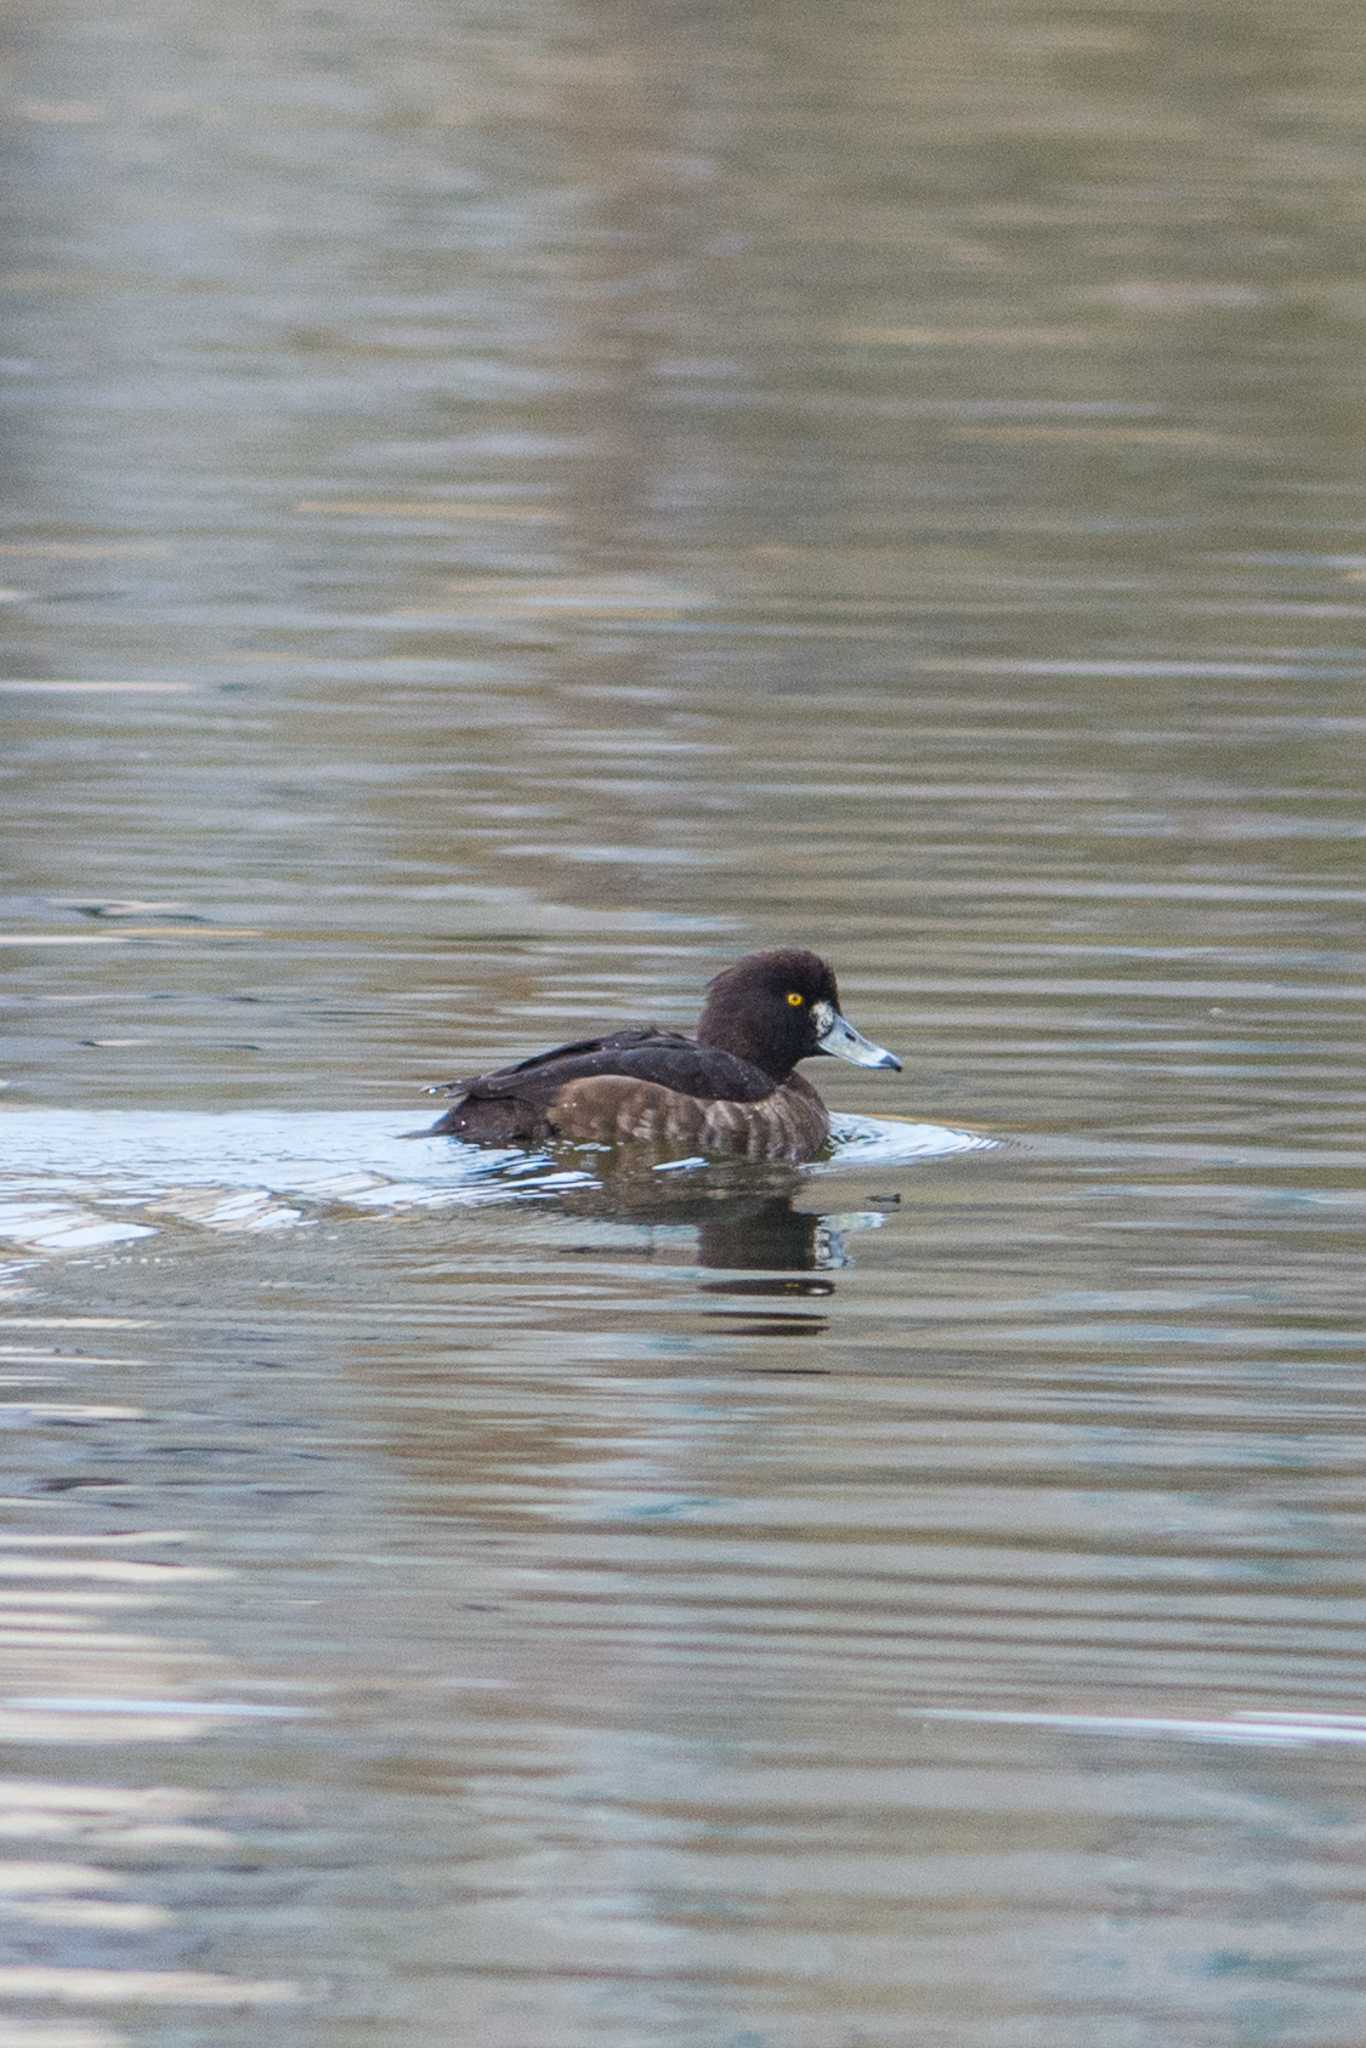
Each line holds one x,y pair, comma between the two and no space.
507,509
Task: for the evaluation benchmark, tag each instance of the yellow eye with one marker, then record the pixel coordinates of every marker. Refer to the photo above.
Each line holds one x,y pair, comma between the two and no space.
795,1000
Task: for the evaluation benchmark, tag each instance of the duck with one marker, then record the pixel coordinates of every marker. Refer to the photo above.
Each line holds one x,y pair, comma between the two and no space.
732,1090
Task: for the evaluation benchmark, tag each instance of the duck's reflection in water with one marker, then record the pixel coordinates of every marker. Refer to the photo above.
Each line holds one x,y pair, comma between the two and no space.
747,1227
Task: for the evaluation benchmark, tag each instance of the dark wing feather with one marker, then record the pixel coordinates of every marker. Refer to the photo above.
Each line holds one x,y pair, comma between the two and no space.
638,1054
501,1080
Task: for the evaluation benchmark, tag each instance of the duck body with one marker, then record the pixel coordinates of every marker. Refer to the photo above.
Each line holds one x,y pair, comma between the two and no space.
733,1090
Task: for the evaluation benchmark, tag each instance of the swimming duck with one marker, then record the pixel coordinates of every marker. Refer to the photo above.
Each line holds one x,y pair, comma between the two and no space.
733,1089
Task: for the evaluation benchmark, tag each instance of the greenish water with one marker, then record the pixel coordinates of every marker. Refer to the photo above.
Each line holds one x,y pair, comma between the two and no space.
508,509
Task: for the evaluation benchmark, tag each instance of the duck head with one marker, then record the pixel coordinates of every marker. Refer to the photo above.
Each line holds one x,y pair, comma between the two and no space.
777,1008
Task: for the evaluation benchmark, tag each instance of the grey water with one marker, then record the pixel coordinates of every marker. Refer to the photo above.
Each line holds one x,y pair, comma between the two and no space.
508,508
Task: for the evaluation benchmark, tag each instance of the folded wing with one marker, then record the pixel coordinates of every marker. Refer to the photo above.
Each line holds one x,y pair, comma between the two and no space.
638,1053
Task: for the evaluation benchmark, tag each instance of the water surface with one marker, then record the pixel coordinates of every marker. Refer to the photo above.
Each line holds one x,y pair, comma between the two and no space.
508,509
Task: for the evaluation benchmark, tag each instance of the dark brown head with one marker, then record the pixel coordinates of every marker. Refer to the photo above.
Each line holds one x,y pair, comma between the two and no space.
774,1009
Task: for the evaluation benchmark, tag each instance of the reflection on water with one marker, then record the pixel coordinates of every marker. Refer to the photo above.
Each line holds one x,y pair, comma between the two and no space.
507,510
